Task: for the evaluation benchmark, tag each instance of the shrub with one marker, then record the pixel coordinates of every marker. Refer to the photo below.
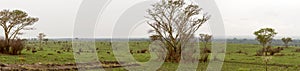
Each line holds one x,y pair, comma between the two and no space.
297,50
16,46
2,43
259,52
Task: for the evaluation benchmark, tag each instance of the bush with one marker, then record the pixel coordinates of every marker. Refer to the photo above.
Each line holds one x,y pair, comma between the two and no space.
16,47
2,47
297,50
260,52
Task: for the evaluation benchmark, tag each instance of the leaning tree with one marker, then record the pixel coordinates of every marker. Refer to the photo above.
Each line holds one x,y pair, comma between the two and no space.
12,22
175,22
286,41
265,36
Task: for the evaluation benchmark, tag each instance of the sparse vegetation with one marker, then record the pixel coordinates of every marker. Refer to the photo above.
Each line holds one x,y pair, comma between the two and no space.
235,59
173,24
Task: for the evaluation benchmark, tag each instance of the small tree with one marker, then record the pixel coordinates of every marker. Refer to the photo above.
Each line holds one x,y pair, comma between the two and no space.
265,36
175,22
286,41
205,38
12,23
41,37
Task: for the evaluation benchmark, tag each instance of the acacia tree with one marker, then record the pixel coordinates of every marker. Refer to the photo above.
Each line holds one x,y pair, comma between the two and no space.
41,37
265,36
175,22
12,23
286,41
205,38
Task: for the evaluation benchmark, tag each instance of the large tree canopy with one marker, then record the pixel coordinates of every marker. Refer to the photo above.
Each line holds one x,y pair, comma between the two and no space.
175,22
12,23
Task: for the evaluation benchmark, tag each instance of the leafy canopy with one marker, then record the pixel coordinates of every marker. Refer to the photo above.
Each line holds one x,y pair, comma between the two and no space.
265,35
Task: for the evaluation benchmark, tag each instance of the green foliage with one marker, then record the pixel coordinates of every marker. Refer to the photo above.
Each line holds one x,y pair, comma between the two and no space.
17,46
286,41
233,61
265,35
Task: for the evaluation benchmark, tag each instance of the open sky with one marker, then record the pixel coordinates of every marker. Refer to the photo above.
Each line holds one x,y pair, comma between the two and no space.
241,17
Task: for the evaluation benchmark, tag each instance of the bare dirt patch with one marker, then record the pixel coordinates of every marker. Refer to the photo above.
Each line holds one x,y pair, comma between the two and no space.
62,67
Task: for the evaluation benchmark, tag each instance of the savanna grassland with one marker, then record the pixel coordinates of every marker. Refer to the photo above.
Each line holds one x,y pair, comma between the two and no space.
239,57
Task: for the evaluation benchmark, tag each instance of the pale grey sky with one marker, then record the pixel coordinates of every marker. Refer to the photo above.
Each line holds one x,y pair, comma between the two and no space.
241,17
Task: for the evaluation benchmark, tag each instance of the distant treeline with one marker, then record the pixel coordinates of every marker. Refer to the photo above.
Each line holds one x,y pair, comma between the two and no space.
276,42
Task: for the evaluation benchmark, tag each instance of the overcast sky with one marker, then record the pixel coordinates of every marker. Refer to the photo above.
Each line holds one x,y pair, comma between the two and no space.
241,17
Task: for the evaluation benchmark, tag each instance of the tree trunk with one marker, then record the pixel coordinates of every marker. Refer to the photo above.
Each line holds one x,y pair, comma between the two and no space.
6,43
173,55
265,50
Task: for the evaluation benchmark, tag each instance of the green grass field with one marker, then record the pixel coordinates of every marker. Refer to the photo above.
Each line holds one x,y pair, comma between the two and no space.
246,61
